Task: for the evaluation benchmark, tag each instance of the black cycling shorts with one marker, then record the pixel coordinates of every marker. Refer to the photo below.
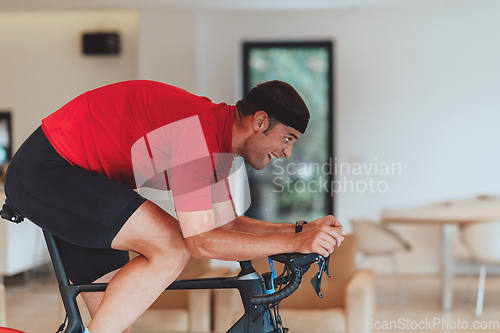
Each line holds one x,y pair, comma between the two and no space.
84,210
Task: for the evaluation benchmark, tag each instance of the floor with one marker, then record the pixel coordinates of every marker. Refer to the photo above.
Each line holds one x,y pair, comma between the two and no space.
33,304
420,310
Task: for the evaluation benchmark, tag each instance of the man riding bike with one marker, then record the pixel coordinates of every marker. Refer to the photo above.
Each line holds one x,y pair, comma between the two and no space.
75,175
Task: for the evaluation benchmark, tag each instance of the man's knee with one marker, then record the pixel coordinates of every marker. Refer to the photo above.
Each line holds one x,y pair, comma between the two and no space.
175,256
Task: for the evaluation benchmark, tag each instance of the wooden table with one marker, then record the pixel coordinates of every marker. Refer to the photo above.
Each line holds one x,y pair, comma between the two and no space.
446,214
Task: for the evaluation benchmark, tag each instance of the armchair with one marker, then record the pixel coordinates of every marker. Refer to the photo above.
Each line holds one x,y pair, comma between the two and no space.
347,306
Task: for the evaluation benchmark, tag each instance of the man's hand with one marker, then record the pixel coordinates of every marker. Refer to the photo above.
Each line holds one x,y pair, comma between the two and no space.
320,236
329,220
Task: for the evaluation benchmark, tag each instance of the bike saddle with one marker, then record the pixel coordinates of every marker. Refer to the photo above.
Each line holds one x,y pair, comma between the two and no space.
10,213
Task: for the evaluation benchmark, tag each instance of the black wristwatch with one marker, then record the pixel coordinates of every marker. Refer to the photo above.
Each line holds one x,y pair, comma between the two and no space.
299,225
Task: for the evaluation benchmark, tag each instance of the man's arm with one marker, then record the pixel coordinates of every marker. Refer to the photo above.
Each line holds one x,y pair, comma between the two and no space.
227,244
251,225
248,224
225,211
232,245
205,240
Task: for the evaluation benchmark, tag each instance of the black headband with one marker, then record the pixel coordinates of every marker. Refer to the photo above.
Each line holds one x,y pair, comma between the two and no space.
261,101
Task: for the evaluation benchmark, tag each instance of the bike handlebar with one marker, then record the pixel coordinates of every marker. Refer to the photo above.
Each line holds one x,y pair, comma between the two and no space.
299,264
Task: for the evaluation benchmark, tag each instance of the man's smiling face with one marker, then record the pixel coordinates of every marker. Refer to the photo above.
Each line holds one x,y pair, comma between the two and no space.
265,144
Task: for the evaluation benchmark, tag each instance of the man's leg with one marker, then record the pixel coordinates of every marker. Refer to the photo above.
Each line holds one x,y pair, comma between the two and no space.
157,237
93,299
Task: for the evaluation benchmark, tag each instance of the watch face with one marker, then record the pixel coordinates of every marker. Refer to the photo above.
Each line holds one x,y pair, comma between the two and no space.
298,226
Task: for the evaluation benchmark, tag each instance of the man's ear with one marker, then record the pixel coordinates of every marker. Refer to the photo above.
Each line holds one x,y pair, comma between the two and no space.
260,121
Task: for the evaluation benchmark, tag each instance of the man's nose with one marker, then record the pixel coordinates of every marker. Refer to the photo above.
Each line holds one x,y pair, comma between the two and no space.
287,152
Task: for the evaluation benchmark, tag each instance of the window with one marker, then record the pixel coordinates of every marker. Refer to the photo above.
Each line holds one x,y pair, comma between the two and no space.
5,137
298,188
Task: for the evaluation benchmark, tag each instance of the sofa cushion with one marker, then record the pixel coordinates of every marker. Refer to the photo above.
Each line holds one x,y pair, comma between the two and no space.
314,321
158,320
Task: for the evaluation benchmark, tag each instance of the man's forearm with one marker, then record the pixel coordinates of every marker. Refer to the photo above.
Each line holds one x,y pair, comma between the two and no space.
250,225
225,244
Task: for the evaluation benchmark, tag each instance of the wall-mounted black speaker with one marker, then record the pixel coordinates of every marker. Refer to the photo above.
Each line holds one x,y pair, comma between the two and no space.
101,43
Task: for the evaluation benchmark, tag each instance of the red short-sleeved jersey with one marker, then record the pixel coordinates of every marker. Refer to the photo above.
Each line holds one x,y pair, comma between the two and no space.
97,130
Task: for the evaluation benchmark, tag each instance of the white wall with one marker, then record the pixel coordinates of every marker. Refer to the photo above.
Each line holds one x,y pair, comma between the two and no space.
42,67
167,47
415,85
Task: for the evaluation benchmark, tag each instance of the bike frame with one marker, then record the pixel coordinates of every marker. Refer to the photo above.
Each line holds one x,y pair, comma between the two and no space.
256,319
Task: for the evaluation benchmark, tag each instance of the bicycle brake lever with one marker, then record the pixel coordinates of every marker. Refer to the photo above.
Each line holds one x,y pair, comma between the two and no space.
327,267
324,266
316,280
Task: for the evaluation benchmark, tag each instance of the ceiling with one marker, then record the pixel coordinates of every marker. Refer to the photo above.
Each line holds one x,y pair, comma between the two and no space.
15,5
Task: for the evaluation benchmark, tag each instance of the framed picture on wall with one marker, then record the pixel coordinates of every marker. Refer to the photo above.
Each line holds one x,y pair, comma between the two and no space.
291,189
